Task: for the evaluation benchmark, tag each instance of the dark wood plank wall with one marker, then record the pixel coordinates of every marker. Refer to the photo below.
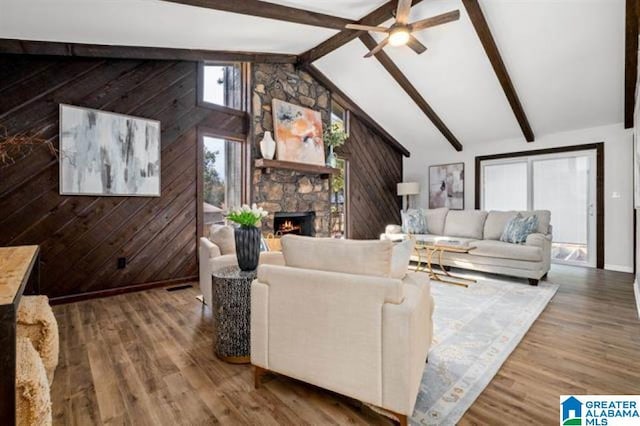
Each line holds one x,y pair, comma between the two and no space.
82,237
375,168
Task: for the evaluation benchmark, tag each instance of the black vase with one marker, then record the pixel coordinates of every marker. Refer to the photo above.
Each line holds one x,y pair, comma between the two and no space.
247,247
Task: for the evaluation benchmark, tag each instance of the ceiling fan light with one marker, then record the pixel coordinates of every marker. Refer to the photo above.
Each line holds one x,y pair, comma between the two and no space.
399,37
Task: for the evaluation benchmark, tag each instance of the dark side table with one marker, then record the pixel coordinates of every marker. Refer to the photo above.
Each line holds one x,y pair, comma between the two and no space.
232,310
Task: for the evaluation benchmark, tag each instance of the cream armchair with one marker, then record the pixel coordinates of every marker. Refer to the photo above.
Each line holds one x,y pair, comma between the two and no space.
345,316
215,255
210,258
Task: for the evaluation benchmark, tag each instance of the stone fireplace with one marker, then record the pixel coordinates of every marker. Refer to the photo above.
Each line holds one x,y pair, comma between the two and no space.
278,190
296,223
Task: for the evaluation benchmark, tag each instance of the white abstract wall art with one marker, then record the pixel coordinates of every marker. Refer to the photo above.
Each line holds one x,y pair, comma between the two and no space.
446,186
104,153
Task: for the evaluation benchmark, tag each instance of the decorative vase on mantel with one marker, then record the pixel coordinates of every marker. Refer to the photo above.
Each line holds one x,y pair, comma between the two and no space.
332,161
267,146
247,247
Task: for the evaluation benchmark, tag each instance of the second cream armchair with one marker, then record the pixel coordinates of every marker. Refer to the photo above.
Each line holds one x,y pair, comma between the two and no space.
346,316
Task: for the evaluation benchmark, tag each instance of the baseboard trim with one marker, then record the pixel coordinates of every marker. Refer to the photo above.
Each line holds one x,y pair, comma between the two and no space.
636,290
119,290
618,268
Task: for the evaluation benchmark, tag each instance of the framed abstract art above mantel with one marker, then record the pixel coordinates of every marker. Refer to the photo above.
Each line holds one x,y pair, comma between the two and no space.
446,186
105,153
298,133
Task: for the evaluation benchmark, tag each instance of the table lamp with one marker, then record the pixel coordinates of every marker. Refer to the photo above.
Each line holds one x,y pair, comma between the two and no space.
408,188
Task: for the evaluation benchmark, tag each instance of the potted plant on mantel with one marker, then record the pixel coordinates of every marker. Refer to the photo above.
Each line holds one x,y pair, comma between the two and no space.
247,235
334,137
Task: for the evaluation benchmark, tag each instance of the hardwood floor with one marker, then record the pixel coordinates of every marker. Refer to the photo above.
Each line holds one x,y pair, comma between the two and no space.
146,358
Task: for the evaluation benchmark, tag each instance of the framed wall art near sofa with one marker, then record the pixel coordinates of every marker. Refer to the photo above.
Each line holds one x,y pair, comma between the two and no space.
104,153
446,186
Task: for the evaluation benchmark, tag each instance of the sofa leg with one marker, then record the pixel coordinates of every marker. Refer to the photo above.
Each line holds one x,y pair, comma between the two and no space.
402,419
533,281
258,373
544,277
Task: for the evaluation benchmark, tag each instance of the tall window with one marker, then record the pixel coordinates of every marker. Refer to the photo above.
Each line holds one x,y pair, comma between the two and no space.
339,181
222,160
222,84
339,115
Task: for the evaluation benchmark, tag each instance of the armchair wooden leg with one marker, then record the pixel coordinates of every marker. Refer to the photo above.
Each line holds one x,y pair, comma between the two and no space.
533,281
258,373
402,419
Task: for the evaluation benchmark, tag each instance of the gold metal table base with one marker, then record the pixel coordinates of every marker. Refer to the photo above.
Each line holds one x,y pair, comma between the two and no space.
437,276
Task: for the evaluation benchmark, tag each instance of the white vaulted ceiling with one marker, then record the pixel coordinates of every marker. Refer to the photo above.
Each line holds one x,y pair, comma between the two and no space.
565,57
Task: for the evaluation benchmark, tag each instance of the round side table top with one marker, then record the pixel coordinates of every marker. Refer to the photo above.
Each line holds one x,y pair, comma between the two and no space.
234,273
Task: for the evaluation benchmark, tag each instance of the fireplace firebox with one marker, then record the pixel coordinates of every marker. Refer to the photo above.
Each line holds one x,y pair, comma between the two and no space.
295,223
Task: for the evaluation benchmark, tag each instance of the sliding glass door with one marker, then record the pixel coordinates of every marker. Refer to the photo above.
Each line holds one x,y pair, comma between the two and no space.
563,183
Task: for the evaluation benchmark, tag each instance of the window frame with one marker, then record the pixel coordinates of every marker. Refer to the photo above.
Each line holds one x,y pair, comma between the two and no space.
204,131
222,108
346,119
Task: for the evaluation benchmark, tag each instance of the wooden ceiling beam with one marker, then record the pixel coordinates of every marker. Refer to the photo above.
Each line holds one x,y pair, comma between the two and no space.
631,60
377,17
263,9
27,47
353,108
486,38
413,93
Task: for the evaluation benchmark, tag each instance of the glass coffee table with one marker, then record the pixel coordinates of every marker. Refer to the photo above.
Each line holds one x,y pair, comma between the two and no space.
427,250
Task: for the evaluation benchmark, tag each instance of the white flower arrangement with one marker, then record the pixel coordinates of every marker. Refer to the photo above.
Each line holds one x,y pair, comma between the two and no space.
247,215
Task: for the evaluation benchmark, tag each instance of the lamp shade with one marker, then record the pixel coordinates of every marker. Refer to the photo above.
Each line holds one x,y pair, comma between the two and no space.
408,188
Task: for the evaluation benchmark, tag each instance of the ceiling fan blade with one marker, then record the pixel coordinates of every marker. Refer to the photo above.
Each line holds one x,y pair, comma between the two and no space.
366,28
416,45
402,13
378,48
454,15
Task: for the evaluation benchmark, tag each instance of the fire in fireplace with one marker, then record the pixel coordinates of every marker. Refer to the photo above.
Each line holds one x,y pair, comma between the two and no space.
294,223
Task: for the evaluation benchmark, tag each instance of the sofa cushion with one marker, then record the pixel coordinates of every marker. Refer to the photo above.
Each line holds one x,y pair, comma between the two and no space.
544,219
400,258
519,228
413,222
465,223
435,219
366,257
502,250
223,236
496,222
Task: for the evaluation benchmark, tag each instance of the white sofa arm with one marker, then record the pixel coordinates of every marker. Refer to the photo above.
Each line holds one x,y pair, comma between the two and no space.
331,321
544,242
208,249
407,331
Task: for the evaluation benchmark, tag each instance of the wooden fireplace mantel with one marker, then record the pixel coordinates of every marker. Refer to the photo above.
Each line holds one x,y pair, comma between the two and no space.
323,171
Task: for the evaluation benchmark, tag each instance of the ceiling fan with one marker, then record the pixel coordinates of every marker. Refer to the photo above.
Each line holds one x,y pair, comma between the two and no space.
401,32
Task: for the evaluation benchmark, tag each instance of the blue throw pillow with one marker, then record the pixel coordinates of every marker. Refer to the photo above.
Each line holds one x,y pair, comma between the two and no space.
519,228
413,222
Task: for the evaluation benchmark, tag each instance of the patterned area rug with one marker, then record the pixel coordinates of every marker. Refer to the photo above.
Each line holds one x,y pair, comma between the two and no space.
475,330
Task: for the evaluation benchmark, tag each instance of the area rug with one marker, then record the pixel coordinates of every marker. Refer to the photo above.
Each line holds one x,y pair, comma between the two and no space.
475,330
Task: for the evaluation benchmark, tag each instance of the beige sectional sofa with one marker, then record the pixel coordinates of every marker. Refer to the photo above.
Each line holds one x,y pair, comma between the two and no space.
482,230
